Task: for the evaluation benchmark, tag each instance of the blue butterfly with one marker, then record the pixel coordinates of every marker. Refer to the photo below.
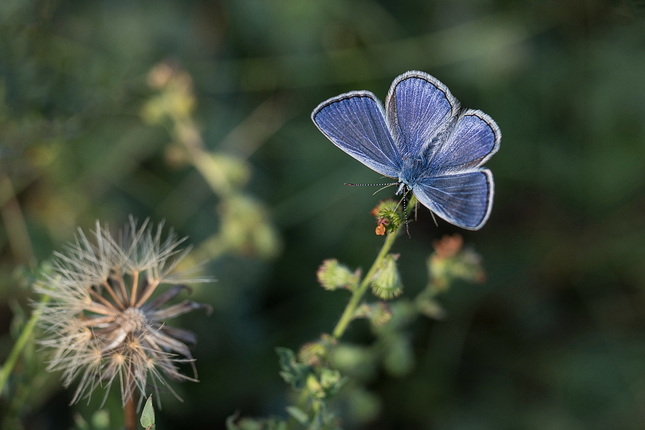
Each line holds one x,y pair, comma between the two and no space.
424,140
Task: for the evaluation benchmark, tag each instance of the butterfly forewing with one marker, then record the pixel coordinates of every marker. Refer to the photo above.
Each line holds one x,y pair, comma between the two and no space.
355,122
463,199
419,108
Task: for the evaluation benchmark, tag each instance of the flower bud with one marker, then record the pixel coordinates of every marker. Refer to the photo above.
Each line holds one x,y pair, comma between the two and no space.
378,313
386,283
315,353
451,262
332,275
387,217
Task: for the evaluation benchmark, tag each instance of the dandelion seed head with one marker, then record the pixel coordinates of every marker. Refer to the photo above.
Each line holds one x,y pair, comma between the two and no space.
105,321
132,320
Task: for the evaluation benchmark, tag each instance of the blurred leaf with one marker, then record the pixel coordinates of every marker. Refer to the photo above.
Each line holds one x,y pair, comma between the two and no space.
148,414
293,372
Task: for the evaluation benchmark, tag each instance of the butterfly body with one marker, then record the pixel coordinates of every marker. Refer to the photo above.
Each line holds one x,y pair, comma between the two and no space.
422,139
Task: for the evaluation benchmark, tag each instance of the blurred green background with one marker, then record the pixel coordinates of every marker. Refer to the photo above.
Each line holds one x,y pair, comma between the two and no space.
553,340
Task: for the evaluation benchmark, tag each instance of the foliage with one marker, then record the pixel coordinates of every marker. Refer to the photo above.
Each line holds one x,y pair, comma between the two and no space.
322,369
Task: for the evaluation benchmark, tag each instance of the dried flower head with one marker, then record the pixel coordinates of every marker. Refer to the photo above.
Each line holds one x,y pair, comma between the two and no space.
104,321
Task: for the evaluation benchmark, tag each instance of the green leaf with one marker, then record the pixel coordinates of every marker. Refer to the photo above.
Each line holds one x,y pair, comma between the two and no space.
298,414
292,372
148,414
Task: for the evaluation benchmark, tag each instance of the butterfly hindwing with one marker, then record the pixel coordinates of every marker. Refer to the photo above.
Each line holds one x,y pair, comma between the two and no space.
464,199
355,122
471,143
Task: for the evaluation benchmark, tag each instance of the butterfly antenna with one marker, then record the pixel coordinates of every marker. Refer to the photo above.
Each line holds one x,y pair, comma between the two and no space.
349,184
383,186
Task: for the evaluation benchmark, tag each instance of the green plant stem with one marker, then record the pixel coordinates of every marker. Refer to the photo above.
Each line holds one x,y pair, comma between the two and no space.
24,337
357,296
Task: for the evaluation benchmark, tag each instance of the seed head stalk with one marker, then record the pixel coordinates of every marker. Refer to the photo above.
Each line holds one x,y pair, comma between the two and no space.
130,414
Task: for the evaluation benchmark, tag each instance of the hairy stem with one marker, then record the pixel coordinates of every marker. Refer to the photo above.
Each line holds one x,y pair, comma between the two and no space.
357,296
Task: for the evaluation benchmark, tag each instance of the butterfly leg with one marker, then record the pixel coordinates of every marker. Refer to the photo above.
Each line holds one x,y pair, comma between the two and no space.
405,214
